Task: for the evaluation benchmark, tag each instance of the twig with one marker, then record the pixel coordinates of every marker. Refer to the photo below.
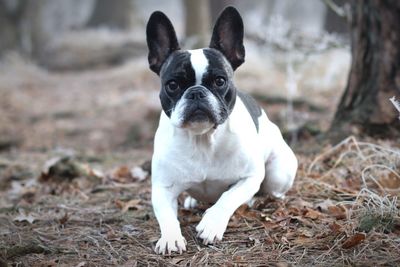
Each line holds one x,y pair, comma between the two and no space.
396,104
340,11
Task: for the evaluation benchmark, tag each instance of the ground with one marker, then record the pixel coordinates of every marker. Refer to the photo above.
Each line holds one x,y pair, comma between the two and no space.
75,189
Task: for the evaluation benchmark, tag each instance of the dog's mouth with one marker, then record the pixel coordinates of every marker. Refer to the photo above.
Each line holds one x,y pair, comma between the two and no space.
199,113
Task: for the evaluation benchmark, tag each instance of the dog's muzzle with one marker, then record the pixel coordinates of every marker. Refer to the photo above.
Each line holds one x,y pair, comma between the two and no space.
198,107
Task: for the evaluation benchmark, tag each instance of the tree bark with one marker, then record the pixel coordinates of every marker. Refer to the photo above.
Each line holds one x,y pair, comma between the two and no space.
375,71
197,24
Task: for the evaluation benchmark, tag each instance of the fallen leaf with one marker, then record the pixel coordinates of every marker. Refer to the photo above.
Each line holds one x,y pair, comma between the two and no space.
22,216
391,181
63,220
62,168
245,211
336,228
126,205
303,240
306,232
324,205
124,174
353,240
339,212
312,214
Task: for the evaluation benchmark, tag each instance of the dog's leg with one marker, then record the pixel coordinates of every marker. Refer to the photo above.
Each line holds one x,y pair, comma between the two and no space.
165,205
216,218
280,171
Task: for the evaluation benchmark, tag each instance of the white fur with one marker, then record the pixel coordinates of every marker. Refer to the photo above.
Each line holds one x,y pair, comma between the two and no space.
199,63
226,165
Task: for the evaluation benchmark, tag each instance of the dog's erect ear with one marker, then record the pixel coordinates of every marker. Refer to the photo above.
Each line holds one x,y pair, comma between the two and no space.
227,36
161,40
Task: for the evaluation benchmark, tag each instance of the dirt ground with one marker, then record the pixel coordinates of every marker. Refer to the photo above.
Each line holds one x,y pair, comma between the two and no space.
75,184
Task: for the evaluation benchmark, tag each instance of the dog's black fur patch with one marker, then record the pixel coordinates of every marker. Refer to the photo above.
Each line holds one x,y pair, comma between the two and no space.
252,107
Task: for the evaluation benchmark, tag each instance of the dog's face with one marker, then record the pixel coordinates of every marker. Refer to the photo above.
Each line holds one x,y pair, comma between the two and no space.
197,91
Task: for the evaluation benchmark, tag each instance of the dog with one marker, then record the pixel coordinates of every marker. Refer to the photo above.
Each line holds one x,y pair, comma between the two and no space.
213,141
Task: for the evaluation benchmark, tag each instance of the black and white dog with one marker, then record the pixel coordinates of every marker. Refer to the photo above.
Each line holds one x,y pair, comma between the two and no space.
212,141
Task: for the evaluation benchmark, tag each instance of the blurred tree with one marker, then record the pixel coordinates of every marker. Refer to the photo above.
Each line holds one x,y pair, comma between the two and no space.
375,71
216,6
335,20
197,23
114,14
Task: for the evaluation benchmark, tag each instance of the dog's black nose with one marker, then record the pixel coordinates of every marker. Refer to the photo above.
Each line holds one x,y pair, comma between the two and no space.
196,93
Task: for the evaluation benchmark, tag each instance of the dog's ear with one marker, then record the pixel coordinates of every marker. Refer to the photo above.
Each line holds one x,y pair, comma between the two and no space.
161,40
227,36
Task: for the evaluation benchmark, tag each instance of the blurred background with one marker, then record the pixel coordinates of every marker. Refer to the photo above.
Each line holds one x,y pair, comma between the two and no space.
74,74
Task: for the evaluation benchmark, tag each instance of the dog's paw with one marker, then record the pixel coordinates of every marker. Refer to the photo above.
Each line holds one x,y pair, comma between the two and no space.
212,227
190,203
170,244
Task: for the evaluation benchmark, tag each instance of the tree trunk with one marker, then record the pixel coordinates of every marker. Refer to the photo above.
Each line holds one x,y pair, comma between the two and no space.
375,71
197,24
114,14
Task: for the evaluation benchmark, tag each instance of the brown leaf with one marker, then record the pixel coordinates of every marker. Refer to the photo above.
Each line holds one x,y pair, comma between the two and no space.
391,181
336,228
353,240
312,214
126,205
306,232
122,175
63,220
245,211
302,240
339,212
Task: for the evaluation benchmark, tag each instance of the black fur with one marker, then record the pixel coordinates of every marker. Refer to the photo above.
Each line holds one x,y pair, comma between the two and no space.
227,36
252,107
161,40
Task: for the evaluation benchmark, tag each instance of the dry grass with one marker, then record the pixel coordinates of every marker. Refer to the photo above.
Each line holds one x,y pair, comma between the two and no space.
342,210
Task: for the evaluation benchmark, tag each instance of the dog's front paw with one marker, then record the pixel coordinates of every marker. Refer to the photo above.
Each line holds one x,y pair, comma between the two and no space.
212,227
168,244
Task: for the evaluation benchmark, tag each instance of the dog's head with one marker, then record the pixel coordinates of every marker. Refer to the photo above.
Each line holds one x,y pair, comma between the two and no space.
197,91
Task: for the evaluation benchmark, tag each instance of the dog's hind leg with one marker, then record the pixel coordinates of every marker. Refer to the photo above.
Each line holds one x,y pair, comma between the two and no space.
280,171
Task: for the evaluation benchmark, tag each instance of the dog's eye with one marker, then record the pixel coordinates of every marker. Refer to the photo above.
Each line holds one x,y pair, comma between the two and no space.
219,81
172,86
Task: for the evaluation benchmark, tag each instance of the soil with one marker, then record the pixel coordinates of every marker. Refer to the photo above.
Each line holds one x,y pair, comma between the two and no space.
75,184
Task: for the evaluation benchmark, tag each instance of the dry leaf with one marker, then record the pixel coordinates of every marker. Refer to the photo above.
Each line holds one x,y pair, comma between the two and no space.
63,220
125,175
24,217
122,175
339,212
306,232
312,214
324,205
336,228
391,181
302,240
245,211
353,240
131,204
67,167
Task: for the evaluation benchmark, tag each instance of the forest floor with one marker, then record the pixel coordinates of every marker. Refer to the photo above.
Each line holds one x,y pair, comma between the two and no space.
75,184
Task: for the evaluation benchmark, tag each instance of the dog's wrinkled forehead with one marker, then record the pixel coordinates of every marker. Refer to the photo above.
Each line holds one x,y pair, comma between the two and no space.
193,66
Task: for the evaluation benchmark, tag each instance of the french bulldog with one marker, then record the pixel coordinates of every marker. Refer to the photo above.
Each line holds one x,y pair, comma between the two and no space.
213,141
